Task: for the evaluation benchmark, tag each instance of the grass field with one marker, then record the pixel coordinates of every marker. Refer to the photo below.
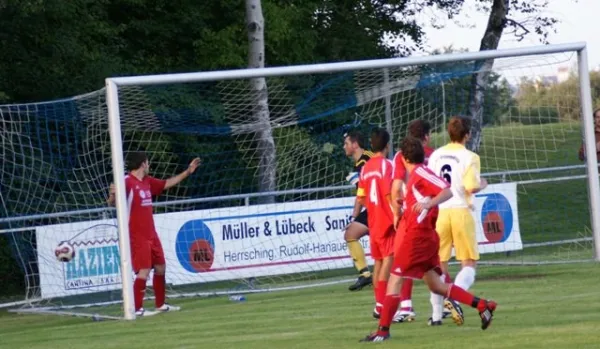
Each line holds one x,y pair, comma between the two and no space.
540,307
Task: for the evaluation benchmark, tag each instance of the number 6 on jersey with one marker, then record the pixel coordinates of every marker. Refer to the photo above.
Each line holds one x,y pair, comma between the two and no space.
446,173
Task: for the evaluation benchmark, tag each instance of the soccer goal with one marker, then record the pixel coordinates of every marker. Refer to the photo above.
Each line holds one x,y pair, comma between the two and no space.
266,209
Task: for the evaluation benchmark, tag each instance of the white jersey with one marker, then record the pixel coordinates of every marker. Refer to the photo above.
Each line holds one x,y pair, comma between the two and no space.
461,168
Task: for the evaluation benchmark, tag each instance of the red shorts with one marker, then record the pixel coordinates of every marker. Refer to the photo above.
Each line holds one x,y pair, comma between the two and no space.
383,246
146,253
415,257
399,235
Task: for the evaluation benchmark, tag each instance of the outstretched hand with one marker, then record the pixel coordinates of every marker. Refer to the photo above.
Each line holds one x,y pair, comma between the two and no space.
194,165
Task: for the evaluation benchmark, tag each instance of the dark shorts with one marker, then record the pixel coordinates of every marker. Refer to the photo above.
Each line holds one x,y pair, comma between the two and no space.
362,218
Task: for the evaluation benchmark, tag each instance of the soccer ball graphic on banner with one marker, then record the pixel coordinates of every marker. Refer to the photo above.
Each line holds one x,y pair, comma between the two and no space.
64,252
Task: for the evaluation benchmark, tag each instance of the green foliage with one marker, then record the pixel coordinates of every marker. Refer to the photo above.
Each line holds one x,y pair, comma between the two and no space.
54,49
13,280
540,102
450,90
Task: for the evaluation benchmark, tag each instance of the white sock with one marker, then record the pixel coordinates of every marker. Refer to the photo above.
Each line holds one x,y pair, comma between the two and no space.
406,304
465,278
437,305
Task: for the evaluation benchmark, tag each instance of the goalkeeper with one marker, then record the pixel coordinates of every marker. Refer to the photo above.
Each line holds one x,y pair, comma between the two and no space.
354,147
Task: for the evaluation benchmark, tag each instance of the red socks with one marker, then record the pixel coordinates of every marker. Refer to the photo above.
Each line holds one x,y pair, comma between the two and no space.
458,294
390,306
380,291
139,288
406,291
158,283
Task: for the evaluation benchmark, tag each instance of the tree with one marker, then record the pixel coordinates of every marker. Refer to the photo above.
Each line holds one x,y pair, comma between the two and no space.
498,21
260,112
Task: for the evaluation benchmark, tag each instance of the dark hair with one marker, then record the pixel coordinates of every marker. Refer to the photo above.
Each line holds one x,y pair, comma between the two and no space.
458,128
412,150
379,139
356,136
135,159
419,129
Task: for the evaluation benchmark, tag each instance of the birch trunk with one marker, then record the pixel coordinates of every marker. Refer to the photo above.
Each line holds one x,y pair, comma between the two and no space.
490,41
265,145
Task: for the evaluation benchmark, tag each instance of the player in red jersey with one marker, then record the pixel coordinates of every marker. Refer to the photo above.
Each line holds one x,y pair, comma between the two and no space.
419,129
374,186
146,249
418,256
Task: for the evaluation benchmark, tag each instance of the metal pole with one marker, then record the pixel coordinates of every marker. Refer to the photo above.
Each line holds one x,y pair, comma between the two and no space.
444,116
116,146
590,147
388,110
327,68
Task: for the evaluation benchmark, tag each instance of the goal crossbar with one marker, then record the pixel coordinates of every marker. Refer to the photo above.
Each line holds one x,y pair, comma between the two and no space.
342,66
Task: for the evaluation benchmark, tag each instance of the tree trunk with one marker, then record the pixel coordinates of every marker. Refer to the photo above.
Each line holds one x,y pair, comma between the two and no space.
265,146
490,41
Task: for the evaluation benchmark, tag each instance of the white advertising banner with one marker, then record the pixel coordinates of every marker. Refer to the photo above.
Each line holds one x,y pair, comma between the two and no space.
243,242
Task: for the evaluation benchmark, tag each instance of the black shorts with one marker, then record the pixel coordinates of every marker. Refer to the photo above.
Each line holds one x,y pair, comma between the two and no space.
362,218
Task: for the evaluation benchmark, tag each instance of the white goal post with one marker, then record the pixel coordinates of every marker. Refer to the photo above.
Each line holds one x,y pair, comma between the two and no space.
267,209
113,84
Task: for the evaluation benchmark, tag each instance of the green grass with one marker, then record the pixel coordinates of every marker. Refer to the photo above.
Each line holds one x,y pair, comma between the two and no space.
540,307
519,147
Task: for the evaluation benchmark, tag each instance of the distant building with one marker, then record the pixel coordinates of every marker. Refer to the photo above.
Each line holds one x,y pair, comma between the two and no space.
563,74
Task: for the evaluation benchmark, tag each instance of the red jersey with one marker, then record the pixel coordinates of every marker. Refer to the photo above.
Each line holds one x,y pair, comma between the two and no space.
375,184
139,203
422,185
399,169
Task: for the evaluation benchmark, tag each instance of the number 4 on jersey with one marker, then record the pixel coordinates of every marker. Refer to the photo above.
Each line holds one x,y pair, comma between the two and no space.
373,192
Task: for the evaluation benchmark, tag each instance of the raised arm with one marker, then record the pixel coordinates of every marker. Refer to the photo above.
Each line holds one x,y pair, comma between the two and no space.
173,181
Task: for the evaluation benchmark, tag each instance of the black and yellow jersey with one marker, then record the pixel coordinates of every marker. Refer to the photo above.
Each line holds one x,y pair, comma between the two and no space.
366,155
358,165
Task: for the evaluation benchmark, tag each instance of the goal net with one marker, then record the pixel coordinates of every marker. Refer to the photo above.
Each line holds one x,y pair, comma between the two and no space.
266,209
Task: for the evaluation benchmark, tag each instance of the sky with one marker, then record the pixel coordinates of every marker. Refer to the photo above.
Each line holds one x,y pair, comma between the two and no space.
579,22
